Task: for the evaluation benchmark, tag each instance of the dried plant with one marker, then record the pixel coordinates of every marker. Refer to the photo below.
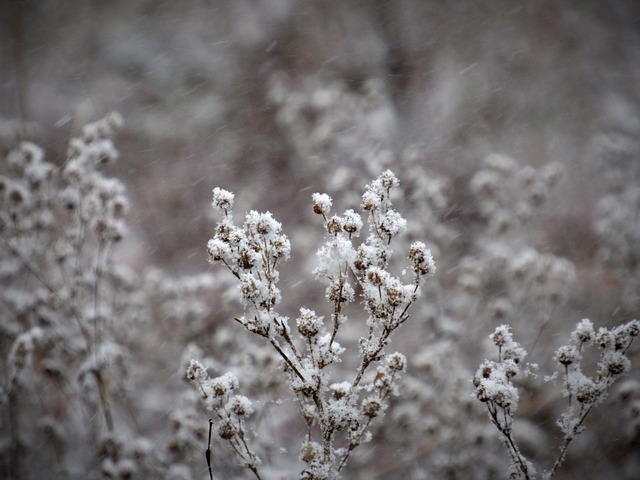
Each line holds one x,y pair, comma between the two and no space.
495,388
337,415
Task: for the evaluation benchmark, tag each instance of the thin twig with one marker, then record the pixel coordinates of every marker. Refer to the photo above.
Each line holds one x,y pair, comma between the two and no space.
207,453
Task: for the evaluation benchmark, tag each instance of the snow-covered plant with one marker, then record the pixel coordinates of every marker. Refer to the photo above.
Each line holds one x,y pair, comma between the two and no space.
485,224
61,288
337,412
71,314
494,384
496,273
495,388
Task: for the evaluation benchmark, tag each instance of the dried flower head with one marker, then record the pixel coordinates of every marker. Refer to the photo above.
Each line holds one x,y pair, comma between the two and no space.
222,200
321,203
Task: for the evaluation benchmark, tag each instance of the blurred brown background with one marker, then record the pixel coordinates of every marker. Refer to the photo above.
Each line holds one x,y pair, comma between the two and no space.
535,80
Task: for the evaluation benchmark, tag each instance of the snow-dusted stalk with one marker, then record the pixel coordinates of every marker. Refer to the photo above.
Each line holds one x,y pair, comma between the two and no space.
330,409
494,387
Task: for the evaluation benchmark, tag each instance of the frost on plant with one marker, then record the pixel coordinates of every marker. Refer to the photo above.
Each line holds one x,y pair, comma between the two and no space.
494,385
337,412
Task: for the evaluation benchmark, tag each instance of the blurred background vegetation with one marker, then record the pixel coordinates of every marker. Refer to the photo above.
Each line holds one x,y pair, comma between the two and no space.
537,81
277,99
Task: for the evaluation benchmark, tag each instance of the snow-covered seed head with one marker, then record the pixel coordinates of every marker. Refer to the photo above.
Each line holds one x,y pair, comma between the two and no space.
510,368
567,355
382,379
397,362
388,180
333,293
393,224
334,225
226,430
310,452
340,390
222,199
587,392
351,222
370,201
241,405
514,352
421,259
605,338
396,294
261,223
371,407
501,335
502,399
616,363
196,372
321,203
224,384
483,372
621,338
308,323
482,394
217,249
584,331
375,276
